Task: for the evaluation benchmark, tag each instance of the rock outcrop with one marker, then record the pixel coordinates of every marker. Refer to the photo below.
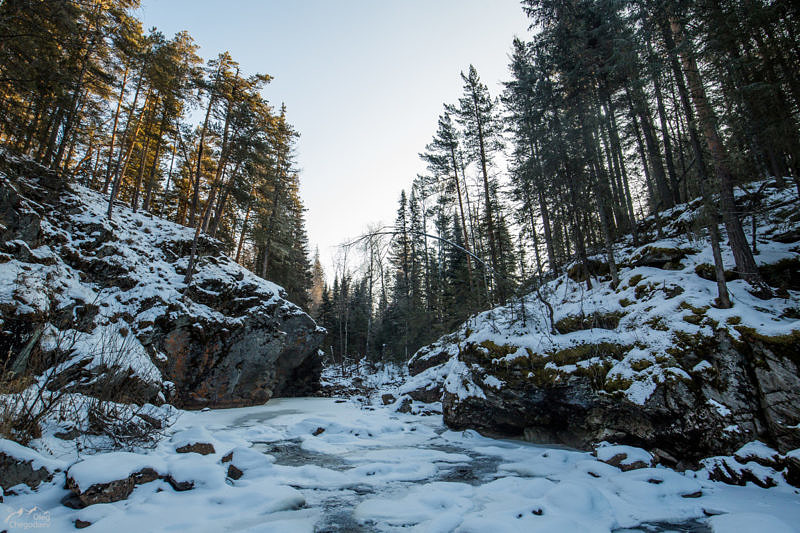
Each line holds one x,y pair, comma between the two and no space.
22,466
711,411
649,362
107,298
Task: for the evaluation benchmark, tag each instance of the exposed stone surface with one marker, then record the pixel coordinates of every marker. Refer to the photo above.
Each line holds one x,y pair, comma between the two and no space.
229,339
624,457
405,406
203,448
234,472
710,414
179,486
430,356
112,491
792,472
427,394
14,471
731,471
619,461
388,399
660,257
650,362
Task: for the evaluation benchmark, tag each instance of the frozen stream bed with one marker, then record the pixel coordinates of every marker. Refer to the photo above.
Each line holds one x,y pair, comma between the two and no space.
319,464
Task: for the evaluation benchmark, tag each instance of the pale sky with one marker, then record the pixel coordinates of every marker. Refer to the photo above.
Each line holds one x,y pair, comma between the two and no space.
363,81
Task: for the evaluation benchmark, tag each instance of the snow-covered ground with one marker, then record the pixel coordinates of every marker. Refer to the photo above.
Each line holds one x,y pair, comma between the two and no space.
651,308
320,464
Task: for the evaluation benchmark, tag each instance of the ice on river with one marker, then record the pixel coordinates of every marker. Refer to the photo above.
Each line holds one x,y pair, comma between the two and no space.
317,464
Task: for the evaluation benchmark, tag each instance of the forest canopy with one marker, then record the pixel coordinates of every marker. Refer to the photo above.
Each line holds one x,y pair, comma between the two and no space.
86,91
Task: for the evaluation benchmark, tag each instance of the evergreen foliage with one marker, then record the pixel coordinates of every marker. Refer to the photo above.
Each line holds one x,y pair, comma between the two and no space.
86,92
615,110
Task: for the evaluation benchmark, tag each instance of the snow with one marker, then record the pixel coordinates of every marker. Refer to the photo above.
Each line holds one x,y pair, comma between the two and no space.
372,468
459,382
655,306
137,249
493,382
111,466
721,409
606,451
757,449
748,523
25,454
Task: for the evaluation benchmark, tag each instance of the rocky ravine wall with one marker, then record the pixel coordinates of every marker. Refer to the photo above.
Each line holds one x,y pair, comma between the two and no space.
101,294
650,362
751,390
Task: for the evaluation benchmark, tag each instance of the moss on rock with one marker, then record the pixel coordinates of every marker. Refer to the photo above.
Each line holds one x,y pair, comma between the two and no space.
573,323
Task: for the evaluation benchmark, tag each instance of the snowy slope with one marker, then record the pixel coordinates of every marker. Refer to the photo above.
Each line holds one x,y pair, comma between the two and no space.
658,328
111,293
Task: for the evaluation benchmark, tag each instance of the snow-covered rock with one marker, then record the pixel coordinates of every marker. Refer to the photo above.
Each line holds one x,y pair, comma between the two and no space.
22,465
624,457
110,294
110,477
649,363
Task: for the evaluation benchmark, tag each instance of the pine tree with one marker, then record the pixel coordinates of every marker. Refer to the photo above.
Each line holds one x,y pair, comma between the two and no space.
477,113
317,285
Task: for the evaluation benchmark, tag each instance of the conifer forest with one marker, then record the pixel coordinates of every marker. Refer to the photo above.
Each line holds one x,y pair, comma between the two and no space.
581,313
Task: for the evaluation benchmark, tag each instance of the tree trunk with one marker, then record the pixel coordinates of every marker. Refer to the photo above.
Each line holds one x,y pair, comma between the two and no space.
662,116
201,147
114,131
140,175
616,148
461,211
151,180
745,263
121,173
656,161
244,232
487,198
548,233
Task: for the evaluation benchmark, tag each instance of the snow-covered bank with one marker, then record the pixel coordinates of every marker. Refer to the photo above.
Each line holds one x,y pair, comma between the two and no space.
319,464
108,296
650,362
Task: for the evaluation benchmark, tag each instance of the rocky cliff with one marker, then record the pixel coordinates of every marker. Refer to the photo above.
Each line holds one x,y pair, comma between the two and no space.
650,363
94,295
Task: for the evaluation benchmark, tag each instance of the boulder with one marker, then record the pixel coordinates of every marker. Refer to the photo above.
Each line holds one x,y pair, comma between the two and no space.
229,339
664,257
388,399
21,465
247,460
758,452
203,448
792,472
729,470
111,477
179,485
430,356
234,472
580,271
624,457
426,367
405,406
112,491
754,391
429,393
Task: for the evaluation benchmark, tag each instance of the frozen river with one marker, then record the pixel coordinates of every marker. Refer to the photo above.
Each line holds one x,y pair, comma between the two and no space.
319,464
